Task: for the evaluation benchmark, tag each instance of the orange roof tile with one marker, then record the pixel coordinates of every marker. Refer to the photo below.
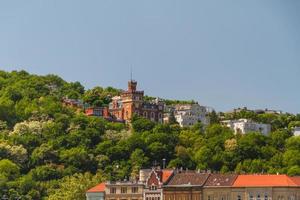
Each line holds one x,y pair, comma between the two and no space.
296,180
97,188
166,173
263,181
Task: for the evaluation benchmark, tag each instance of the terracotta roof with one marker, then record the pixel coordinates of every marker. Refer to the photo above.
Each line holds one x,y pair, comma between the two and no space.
97,188
296,180
263,181
220,180
188,178
166,173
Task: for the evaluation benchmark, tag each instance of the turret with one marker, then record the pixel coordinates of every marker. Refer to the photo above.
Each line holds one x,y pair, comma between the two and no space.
132,86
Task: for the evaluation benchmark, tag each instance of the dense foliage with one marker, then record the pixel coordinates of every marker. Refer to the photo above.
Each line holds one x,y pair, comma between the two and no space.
49,151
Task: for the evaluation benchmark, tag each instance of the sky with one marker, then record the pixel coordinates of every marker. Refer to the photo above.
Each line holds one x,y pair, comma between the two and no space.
222,53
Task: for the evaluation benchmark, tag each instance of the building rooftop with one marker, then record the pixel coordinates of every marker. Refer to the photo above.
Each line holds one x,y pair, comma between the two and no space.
97,188
263,181
296,180
188,179
220,180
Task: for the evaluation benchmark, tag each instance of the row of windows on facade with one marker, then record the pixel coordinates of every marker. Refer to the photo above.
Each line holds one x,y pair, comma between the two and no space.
152,198
120,199
251,197
113,190
145,114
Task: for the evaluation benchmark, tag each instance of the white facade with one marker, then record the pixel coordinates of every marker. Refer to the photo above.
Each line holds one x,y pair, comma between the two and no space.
244,126
190,114
296,131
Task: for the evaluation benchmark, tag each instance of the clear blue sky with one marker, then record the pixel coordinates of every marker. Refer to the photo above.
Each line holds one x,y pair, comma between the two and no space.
224,54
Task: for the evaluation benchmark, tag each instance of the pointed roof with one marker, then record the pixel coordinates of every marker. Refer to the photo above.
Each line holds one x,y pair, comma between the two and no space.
97,188
263,181
166,174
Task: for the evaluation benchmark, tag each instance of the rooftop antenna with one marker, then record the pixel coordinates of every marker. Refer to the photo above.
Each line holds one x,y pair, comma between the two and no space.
131,73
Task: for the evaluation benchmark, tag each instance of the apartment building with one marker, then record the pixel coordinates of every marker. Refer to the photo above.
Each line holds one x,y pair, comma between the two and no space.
244,126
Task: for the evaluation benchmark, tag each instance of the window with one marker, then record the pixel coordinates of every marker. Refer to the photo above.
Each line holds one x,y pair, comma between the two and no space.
152,115
153,187
266,197
134,190
239,197
208,197
123,190
113,190
251,197
145,114
258,197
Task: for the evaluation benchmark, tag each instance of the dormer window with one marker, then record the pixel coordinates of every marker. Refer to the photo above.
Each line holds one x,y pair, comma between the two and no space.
153,187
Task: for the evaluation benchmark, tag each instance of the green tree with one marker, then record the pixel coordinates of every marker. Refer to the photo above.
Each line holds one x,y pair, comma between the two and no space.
8,169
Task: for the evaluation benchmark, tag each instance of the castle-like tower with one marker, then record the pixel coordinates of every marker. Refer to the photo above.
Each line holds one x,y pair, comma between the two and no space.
132,102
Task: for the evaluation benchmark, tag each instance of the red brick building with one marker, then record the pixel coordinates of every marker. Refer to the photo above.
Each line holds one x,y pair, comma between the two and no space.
132,102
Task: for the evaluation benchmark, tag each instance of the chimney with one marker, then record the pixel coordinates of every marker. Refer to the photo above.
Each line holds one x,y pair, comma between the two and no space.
164,163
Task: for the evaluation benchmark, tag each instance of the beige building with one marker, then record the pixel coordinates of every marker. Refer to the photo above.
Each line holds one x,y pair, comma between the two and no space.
126,190
218,187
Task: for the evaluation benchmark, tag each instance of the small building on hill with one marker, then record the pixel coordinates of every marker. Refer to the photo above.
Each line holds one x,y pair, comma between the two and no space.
244,126
296,131
190,114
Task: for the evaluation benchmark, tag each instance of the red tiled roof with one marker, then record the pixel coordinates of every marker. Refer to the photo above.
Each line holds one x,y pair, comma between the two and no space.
97,188
263,181
166,173
296,180
221,180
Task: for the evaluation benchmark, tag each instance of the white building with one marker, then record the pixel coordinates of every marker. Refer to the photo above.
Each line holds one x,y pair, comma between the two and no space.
190,114
244,126
296,131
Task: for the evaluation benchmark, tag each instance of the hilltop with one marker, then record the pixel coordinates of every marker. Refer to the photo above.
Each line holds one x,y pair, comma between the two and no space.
49,150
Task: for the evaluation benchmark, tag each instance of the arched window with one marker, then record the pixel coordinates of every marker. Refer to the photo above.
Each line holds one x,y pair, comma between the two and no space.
152,115
145,114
